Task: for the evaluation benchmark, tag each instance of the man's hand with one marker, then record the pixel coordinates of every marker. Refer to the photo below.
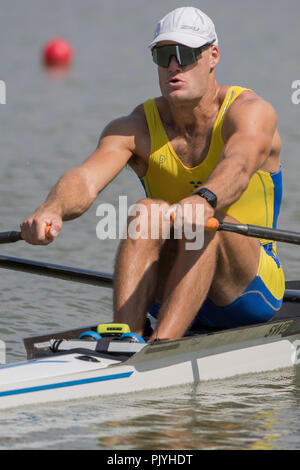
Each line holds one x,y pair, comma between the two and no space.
34,228
191,209
190,214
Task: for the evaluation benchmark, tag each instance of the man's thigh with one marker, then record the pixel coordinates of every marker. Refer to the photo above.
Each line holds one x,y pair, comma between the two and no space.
237,262
237,265
259,301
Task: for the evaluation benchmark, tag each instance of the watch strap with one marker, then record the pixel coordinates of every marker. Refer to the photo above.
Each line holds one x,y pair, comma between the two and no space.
208,195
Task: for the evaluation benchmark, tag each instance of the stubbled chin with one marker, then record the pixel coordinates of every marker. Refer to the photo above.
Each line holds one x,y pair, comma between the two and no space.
176,95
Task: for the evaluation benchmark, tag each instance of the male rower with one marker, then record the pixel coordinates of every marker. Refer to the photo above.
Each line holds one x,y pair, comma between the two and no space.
198,143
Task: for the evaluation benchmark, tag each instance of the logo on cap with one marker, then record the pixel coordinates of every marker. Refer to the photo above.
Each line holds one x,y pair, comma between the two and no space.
193,28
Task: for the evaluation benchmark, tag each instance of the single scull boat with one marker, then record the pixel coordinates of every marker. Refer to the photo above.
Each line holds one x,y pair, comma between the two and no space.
60,366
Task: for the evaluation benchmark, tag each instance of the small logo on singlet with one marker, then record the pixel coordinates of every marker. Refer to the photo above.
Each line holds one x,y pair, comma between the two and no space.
162,159
196,185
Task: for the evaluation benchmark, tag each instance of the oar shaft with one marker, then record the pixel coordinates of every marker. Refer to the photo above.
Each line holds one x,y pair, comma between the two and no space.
67,273
255,231
10,237
262,232
213,224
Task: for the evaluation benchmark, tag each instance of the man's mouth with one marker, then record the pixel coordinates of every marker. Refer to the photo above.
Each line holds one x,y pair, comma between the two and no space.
174,81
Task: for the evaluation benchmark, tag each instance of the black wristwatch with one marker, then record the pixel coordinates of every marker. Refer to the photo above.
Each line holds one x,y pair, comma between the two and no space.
208,195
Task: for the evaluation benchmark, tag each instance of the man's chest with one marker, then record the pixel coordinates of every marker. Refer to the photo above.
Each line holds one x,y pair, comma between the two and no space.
192,150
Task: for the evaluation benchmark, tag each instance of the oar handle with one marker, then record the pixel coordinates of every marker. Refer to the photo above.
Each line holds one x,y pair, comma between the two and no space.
213,225
14,236
254,231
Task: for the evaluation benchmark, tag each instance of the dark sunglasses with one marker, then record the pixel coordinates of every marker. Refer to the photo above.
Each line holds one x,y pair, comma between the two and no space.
184,55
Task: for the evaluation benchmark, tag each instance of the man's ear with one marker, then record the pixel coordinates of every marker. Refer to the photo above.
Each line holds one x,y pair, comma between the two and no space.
214,56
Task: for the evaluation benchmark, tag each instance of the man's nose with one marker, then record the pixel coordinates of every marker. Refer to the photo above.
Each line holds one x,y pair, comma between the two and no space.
174,64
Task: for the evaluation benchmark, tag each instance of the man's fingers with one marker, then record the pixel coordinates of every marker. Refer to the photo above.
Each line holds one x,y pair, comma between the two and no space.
37,231
53,229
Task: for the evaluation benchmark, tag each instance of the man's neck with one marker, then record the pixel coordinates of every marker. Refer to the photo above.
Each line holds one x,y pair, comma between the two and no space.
189,116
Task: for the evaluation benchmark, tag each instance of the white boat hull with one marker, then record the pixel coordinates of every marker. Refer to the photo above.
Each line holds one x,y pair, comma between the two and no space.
221,355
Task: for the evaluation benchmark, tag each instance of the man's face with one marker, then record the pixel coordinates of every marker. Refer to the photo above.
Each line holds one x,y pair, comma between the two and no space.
185,84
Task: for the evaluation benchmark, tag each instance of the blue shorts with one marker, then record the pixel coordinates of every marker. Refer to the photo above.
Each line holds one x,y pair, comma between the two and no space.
258,303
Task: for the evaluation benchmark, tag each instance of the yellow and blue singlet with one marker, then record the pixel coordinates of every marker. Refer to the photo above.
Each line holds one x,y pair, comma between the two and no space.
168,179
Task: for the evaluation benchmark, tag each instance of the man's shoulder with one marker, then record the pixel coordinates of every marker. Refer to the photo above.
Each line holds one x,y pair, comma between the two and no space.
248,105
249,113
131,132
130,124
249,97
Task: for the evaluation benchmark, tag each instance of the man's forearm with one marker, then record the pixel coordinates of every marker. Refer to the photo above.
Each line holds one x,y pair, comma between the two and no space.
228,181
71,196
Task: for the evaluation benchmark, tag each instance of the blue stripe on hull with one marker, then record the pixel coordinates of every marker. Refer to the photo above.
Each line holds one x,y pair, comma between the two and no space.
71,383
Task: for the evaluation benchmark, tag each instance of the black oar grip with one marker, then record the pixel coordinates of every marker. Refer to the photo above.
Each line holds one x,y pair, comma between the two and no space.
10,237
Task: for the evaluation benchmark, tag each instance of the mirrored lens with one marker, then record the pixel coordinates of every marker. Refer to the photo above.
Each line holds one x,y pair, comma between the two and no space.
183,54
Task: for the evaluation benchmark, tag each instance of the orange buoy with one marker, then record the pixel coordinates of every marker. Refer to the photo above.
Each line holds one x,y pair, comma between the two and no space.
57,52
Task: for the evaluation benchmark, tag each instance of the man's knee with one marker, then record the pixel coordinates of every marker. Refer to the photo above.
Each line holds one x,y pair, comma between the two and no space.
148,220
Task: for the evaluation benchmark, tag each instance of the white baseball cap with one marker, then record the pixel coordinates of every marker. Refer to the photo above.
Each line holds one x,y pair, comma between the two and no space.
188,26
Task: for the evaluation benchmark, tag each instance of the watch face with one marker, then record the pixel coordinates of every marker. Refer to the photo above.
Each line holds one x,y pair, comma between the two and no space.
209,196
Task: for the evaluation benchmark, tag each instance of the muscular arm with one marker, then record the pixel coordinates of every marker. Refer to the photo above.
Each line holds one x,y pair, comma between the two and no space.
248,132
77,189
